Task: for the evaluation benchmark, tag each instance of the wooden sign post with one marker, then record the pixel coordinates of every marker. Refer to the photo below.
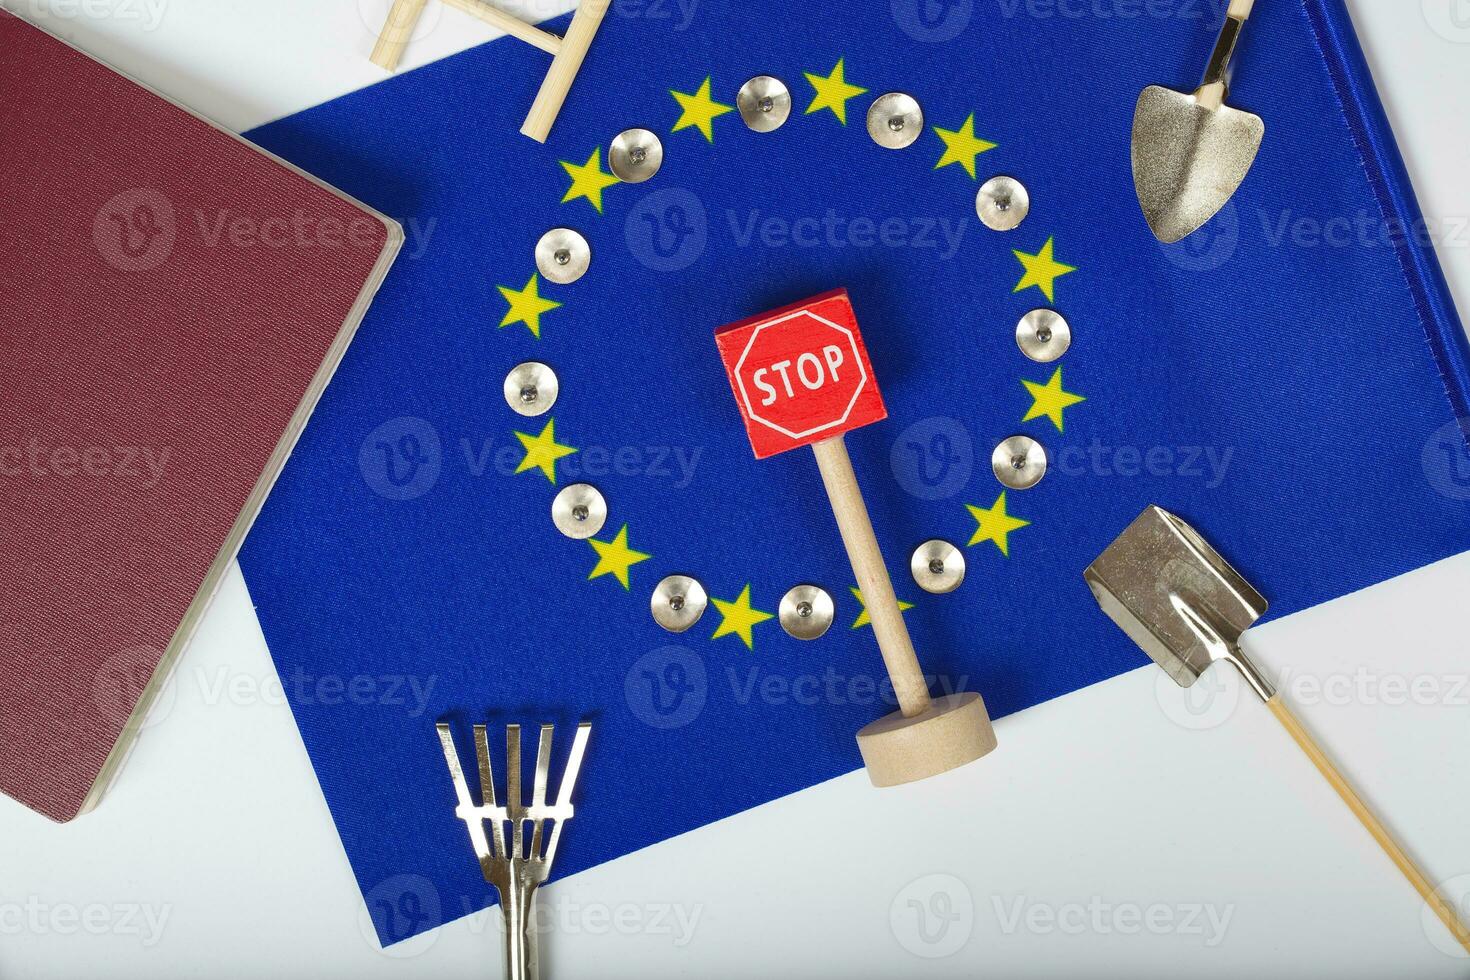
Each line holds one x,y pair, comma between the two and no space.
801,377
567,52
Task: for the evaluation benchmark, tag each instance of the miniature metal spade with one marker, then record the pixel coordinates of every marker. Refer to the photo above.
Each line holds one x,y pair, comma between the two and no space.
1186,607
1191,151
515,865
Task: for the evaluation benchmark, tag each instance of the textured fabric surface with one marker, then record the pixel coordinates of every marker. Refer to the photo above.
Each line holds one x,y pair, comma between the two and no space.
168,294
1288,381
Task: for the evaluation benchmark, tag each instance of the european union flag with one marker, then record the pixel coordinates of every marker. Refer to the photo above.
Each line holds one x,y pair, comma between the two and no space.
1292,380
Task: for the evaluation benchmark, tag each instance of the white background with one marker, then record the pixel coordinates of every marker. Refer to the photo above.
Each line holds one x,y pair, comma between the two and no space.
1118,832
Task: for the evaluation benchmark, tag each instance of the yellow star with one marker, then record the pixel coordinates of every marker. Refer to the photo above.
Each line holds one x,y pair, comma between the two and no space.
832,92
589,180
1049,400
962,146
995,524
615,557
543,451
737,618
863,618
526,305
1042,270
699,110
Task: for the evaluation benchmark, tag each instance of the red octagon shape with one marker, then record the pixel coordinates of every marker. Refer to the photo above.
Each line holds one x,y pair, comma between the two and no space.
800,374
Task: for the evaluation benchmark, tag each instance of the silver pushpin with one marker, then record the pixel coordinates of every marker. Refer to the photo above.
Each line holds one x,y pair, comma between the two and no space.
579,511
895,120
516,859
806,612
635,155
562,256
1002,203
678,602
1019,462
764,103
938,567
531,388
1043,335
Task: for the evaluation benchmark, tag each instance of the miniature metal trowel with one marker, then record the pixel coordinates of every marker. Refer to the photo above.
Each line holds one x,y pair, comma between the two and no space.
1186,607
1191,151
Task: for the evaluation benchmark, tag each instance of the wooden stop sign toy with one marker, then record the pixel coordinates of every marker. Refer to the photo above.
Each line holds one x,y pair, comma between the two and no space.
801,377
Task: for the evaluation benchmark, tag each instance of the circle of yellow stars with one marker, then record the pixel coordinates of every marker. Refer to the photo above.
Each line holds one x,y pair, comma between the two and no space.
698,111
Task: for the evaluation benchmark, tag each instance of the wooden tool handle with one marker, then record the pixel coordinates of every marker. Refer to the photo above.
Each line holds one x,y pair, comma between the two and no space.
564,66
1240,9
513,26
396,31
872,576
1442,907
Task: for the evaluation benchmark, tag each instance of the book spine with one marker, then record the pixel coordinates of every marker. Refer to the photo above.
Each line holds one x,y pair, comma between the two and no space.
1357,96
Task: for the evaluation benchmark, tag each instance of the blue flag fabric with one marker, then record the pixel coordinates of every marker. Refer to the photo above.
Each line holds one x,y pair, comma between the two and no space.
1290,380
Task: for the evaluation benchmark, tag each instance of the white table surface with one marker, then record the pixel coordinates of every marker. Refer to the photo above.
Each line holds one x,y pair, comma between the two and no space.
1121,831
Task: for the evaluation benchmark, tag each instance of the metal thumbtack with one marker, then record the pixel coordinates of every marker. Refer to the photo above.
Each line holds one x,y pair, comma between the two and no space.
764,103
678,602
1019,462
1179,600
1191,152
938,567
1043,335
515,866
806,612
562,256
579,511
635,155
895,120
531,388
1003,203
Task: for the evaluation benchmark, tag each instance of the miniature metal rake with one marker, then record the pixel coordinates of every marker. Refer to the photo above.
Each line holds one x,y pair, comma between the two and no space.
515,869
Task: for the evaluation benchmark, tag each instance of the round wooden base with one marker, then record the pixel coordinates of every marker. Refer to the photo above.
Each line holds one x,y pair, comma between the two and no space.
955,730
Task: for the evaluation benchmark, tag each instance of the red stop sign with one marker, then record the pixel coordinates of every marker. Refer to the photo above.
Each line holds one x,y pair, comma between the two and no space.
800,374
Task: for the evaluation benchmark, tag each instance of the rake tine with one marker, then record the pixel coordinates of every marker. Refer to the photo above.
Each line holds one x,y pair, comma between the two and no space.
466,810
564,792
538,793
487,777
574,764
543,767
456,774
514,804
487,786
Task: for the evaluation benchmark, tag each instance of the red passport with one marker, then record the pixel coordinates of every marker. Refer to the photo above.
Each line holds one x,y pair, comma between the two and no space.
172,303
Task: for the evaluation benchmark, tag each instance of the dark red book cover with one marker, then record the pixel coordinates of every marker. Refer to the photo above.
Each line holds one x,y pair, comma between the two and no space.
172,302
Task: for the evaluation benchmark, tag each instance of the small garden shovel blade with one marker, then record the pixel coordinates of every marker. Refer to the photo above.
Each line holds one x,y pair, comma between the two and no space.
1186,607
1191,151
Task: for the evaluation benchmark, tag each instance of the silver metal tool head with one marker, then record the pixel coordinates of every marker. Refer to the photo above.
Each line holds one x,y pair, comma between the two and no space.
1176,597
1189,159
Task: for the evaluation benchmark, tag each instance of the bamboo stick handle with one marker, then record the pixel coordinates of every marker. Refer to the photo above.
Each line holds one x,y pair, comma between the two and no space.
511,25
564,66
872,576
396,31
1442,907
